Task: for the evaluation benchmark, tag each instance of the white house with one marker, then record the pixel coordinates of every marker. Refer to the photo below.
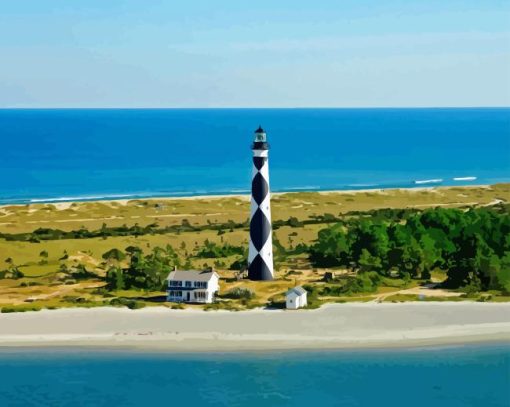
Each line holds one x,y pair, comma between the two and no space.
192,286
296,298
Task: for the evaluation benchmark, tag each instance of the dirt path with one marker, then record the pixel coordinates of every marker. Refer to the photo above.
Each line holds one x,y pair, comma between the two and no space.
427,290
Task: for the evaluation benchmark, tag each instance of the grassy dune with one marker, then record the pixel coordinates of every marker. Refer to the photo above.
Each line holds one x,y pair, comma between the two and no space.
201,210
42,286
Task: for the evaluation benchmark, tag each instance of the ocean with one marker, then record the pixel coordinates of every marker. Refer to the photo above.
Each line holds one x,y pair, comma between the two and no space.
88,154
450,376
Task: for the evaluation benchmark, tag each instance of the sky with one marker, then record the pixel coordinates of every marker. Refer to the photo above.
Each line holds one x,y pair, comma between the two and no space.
265,53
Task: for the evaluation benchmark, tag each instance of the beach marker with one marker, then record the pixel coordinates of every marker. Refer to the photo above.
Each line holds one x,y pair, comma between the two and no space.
260,254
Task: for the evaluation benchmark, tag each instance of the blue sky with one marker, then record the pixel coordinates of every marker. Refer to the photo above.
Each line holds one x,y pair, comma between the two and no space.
267,53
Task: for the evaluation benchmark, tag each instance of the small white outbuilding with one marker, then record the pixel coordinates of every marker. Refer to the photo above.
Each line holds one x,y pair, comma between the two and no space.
296,298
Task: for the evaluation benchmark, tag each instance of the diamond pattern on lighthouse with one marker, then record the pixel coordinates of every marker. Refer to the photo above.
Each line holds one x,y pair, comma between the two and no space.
260,188
260,229
260,257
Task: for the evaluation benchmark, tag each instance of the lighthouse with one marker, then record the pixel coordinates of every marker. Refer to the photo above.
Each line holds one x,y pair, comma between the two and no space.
260,255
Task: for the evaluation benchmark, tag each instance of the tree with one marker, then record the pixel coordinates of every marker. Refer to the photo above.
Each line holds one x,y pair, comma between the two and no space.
115,278
80,272
12,272
331,248
144,272
473,246
130,250
294,222
501,279
44,257
367,262
114,254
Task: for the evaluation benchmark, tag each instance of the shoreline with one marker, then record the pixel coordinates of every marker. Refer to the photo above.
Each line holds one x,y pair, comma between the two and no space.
334,326
123,199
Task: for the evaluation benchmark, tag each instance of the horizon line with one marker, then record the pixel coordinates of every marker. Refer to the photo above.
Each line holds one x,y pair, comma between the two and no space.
240,107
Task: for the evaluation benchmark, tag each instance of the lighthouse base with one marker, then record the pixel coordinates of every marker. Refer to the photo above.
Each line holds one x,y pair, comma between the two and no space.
258,270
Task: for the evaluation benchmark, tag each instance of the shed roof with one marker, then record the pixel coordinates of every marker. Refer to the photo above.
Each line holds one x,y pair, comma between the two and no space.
191,275
297,290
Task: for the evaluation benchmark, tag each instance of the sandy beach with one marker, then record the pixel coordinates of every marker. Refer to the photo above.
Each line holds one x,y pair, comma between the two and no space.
333,326
65,203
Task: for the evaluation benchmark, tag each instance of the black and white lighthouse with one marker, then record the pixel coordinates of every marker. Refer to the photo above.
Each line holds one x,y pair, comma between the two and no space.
260,256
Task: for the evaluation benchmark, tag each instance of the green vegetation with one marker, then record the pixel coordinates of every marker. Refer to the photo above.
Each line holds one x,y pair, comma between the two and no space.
127,302
472,246
76,273
12,272
115,254
361,283
211,250
19,308
312,296
147,272
239,293
42,234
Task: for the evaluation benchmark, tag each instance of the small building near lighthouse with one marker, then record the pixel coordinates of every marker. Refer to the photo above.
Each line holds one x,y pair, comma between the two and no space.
296,298
192,286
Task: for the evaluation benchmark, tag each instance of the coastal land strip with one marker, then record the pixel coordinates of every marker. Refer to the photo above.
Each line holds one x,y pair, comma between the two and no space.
58,255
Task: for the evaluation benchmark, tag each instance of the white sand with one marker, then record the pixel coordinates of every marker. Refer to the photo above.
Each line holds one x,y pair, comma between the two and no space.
333,326
246,196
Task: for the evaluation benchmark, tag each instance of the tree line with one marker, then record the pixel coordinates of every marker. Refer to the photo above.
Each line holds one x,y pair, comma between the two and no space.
472,246
43,234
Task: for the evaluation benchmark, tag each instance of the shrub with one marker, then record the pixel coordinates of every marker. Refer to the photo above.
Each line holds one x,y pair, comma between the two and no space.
12,273
29,283
211,250
20,308
127,302
239,264
363,283
240,293
135,304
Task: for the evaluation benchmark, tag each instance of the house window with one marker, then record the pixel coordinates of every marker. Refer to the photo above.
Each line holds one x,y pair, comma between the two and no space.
199,295
188,284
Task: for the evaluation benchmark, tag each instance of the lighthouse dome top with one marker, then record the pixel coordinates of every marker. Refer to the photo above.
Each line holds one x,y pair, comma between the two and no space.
260,135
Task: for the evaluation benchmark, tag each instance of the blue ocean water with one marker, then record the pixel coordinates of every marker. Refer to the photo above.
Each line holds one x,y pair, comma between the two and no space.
451,376
59,154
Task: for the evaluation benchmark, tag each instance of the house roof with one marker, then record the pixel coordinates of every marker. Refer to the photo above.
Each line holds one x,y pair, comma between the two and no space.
297,290
191,275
